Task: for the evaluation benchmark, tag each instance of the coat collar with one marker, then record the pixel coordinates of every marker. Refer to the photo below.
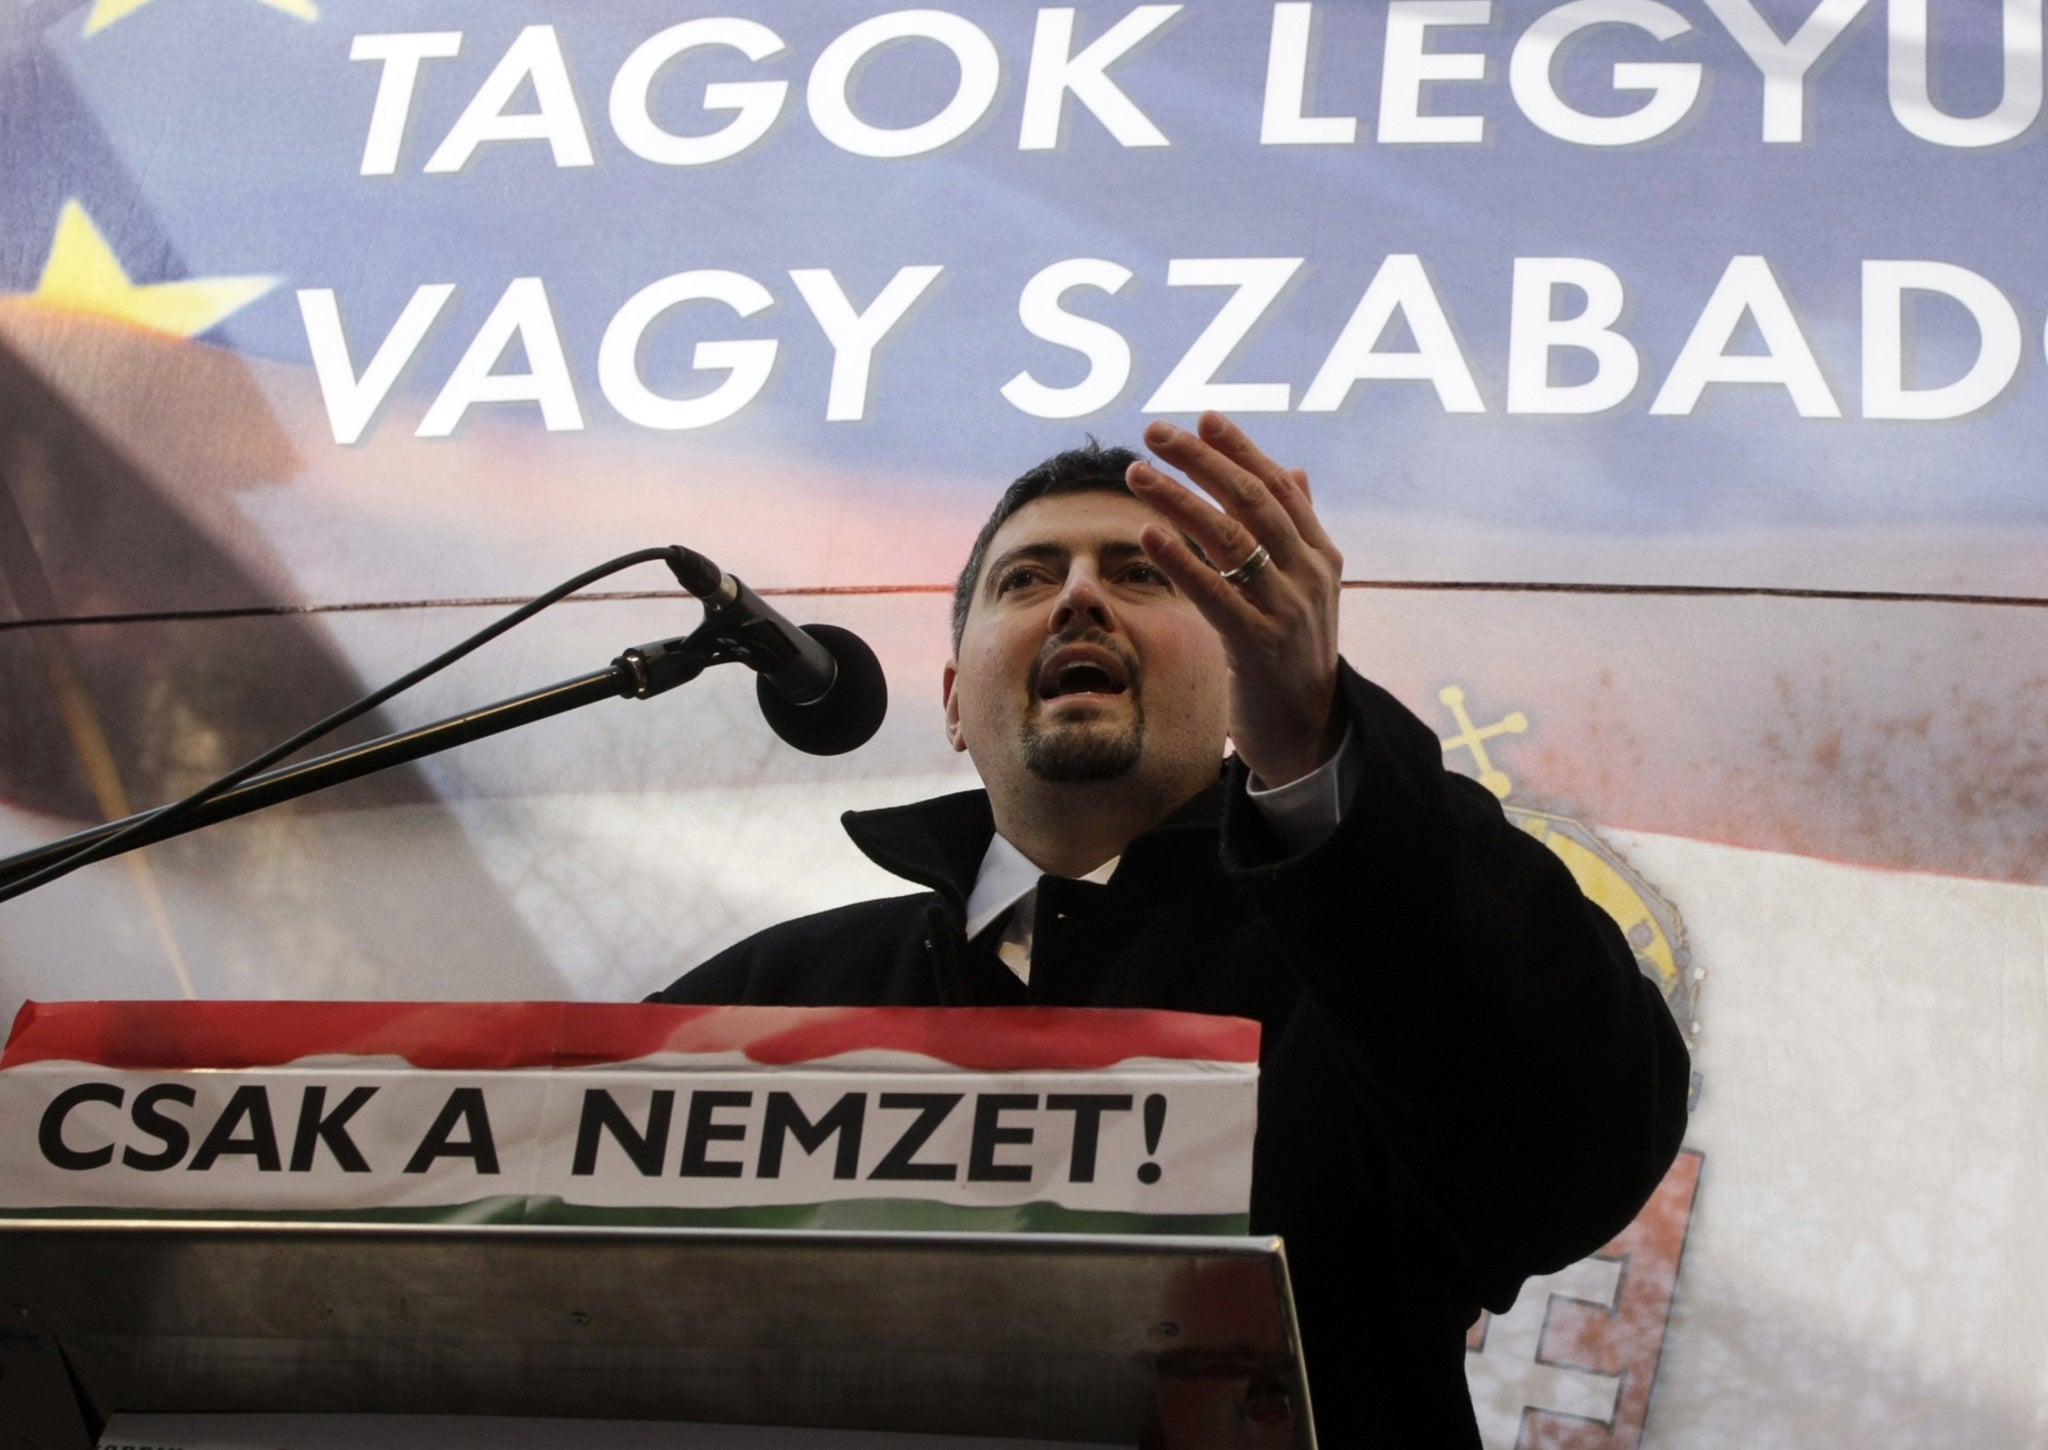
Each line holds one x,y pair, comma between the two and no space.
939,843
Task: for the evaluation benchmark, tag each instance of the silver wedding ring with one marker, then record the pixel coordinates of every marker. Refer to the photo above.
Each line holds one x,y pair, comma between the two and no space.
1245,572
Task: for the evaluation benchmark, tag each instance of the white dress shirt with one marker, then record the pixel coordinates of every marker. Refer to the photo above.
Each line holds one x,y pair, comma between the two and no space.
1300,813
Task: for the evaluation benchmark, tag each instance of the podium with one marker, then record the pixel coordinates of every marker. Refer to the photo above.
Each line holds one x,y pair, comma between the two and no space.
1169,1343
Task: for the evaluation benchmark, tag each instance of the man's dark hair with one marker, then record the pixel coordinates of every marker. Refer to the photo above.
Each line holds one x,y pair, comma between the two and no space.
1087,469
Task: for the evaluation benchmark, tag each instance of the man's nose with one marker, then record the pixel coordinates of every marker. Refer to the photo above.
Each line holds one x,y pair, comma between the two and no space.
1081,604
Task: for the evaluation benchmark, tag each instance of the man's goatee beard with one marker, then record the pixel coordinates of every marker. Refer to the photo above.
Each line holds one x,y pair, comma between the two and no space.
1075,754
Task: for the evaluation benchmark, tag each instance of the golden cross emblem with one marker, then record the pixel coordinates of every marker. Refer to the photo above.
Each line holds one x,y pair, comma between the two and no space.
1474,737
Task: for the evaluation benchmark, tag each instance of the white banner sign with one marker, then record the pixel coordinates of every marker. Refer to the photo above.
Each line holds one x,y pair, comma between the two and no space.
698,1129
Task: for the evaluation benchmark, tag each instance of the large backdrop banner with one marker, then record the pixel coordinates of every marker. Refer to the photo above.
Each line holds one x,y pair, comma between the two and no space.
1670,374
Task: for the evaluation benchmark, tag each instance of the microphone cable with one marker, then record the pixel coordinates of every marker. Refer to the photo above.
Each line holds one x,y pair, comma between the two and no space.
673,555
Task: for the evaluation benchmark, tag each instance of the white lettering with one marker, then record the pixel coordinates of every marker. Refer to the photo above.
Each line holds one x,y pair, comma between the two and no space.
1885,393
1749,288
535,56
1673,87
855,335
353,402
1535,334
1288,66
397,84
1787,65
1401,285
1409,63
1913,104
1107,350
832,77
523,313
748,362
757,103
1189,387
1054,73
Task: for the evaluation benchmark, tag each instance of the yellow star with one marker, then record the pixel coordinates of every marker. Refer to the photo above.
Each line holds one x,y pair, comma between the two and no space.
84,275
106,12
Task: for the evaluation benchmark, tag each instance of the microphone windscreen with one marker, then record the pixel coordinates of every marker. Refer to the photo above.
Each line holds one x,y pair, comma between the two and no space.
846,716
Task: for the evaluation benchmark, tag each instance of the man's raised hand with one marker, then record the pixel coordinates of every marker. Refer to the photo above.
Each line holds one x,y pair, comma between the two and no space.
1277,614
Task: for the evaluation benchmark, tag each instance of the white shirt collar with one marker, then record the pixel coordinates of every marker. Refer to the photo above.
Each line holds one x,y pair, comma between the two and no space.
1006,878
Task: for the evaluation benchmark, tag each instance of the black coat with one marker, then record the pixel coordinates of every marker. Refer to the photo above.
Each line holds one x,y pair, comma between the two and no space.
1464,1078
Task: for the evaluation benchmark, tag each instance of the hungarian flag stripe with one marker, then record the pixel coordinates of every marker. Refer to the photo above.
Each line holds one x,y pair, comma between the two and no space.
477,1036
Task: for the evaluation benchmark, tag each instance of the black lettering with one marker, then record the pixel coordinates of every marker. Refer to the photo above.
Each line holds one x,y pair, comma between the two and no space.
931,1109
167,1130
845,1117
50,1133
700,1132
601,1115
1087,1109
250,1104
465,1106
989,1134
332,1129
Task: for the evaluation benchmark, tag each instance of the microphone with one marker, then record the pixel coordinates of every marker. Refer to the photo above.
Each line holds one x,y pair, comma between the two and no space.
820,687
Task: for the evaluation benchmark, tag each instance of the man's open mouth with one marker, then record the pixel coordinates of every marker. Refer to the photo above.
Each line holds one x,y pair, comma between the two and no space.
1082,671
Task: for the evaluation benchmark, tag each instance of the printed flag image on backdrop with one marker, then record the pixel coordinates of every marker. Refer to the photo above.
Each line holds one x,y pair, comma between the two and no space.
1670,373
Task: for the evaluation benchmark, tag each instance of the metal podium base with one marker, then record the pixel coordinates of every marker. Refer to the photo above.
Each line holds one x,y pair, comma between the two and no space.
1174,1343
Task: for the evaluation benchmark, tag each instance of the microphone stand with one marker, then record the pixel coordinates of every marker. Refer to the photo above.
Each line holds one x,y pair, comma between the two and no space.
639,673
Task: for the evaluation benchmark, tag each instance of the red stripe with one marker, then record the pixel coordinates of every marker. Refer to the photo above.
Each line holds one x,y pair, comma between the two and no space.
472,1036
999,1038
172,1035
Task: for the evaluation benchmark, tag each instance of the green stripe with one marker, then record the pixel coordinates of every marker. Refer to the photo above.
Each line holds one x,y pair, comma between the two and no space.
506,1208
908,1215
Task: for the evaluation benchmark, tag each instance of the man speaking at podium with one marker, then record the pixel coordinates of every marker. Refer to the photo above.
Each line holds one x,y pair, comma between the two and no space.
1464,1078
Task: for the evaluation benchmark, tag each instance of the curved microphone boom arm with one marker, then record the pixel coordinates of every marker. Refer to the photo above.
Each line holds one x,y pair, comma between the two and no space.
820,687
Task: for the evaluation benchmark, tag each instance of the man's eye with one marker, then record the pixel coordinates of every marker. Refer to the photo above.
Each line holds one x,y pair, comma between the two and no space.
1145,572
1015,578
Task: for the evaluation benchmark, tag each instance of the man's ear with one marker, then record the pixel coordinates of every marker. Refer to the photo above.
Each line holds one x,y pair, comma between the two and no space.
952,699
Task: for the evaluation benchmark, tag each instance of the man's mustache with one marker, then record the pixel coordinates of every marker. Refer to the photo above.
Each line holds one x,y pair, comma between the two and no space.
1099,639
